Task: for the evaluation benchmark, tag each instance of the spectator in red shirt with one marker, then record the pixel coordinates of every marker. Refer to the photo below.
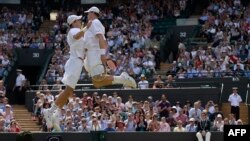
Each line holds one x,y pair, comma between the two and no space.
14,127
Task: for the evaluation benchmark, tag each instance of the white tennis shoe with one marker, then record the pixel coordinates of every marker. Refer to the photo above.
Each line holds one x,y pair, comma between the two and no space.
128,80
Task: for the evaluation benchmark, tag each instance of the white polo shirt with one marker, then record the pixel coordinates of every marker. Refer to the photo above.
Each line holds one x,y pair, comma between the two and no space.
76,46
234,99
19,80
143,84
90,39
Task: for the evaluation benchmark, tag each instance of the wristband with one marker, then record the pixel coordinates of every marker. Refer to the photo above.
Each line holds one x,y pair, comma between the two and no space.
84,29
103,51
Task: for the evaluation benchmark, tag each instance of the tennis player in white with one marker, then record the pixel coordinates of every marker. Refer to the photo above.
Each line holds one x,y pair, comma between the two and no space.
86,51
73,69
95,42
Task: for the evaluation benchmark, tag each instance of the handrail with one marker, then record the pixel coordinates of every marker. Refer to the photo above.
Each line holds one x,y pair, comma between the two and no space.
180,85
246,100
90,84
221,92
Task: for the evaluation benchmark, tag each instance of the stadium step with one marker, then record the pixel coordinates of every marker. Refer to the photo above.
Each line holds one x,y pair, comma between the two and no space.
164,67
23,117
226,108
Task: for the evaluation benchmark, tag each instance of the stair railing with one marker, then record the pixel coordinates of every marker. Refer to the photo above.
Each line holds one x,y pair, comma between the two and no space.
221,92
246,100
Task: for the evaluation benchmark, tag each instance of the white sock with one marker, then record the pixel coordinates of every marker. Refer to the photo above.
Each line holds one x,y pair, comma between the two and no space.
118,80
52,108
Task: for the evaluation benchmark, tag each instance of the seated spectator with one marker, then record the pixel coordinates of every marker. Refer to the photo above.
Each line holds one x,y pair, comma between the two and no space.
141,124
8,115
195,112
110,127
191,127
226,122
232,119
164,126
179,127
218,122
13,127
130,123
48,96
143,84
181,73
83,127
95,125
43,85
120,126
57,85
2,125
69,126
154,125
183,117
2,89
173,69
170,82
216,112
158,83
171,120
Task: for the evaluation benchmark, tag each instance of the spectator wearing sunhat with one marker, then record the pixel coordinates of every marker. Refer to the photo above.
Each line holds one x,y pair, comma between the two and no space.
8,114
143,84
218,122
235,100
191,127
120,126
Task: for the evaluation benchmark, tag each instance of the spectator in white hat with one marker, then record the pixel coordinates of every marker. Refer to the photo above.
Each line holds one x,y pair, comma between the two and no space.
143,84
191,127
218,122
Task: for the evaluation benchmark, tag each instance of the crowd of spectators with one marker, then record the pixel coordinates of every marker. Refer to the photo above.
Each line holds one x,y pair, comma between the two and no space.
18,29
7,120
226,26
100,112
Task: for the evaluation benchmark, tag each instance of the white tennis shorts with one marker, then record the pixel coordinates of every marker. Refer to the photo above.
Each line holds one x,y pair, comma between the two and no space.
73,69
93,63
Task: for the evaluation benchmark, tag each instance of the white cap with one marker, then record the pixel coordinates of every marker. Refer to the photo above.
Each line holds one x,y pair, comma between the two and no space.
191,119
73,18
93,9
219,116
